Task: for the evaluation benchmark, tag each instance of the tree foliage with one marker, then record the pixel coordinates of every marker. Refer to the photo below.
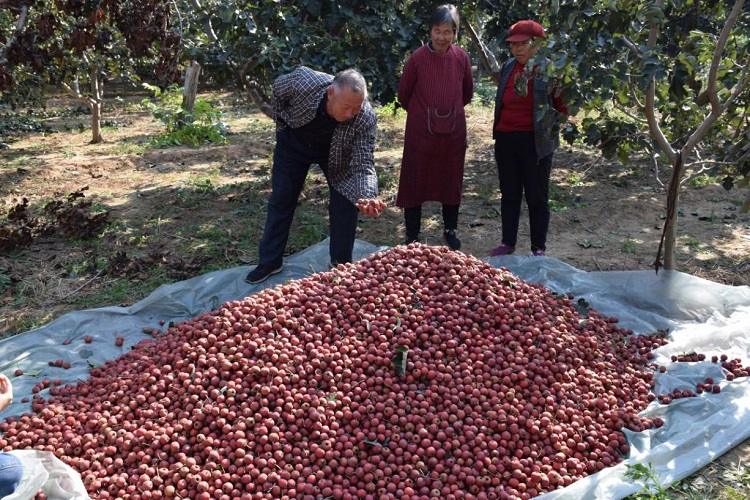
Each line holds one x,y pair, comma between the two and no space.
60,39
261,40
663,79
77,43
667,79
608,52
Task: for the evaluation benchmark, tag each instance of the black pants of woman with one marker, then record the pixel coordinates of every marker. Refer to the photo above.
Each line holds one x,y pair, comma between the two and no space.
413,219
523,174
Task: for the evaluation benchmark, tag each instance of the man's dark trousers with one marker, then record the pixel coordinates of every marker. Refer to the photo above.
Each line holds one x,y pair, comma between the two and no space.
291,163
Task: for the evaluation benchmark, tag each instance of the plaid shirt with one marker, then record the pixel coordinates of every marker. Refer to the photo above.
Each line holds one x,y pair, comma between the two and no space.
351,161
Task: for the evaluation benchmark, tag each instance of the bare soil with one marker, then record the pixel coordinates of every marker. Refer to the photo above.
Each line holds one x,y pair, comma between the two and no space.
180,211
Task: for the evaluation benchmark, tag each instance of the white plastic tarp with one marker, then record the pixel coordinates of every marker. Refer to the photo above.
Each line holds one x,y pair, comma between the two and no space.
700,315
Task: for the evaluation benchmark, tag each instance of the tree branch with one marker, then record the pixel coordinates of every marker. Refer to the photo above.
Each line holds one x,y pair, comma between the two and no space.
632,47
488,58
207,26
179,18
253,89
19,27
742,84
650,108
77,95
711,89
626,112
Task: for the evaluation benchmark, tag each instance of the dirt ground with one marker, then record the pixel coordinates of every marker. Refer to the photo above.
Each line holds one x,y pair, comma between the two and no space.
606,216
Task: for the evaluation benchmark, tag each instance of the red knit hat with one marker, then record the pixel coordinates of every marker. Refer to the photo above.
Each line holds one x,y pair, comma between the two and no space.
525,30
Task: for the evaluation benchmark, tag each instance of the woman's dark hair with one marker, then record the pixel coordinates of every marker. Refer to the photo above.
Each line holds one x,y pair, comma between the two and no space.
446,13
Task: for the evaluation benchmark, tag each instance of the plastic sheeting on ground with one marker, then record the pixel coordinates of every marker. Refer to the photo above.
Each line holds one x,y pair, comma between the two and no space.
42,470
700,315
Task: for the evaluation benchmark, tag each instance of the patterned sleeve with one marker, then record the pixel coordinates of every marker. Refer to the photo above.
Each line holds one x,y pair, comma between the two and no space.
363,158
283,88
358,178
296,95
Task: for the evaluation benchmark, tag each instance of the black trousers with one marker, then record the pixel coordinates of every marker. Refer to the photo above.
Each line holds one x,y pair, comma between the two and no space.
291,164
413,219
523,174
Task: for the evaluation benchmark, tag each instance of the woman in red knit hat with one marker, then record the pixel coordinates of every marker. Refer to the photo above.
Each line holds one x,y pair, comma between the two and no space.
528,112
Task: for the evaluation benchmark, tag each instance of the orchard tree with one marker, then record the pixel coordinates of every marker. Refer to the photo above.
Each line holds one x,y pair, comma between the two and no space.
77,45
253,43
669,78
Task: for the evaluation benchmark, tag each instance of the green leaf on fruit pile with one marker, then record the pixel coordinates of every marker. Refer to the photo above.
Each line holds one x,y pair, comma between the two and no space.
399,360
582,307
375,442
32,373
398,323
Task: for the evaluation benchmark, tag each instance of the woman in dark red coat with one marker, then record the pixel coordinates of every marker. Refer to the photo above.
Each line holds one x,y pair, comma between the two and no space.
434,88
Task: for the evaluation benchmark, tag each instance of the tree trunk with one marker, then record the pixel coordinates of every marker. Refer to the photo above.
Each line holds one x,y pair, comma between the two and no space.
489,62
253,89
670,239
669,234
95,102
191,87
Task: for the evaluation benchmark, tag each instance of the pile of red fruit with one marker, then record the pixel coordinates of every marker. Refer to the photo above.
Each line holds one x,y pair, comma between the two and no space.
417,373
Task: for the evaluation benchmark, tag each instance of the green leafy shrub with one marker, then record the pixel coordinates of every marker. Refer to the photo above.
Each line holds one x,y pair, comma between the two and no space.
201,126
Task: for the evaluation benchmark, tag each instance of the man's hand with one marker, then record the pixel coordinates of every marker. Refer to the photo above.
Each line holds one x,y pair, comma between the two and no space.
6,392
370,207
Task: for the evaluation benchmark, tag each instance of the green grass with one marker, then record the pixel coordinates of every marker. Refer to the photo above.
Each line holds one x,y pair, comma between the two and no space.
703,180
387,180
693,245
484,93
23,162
575,179
652,490
202,185
390,111
559,200
124,292
5,280
312,228
485,191
129,148
629,245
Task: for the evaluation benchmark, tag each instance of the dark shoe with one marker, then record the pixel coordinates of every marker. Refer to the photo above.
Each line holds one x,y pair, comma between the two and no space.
410,239
503,250
450,237
261,273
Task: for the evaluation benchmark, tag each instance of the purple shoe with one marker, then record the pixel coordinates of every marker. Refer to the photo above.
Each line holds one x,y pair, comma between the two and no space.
538,253
503,250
